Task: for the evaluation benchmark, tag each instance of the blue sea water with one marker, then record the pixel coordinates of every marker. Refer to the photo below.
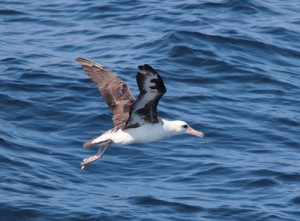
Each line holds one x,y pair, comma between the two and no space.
231,69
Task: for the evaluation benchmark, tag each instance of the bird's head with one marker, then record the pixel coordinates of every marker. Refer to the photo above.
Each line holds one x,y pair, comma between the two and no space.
181,127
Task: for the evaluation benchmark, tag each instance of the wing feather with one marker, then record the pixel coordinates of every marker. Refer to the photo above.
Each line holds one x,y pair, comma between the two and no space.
114,91
152,88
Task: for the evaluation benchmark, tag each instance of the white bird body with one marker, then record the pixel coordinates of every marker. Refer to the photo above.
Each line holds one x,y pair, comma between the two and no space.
143,134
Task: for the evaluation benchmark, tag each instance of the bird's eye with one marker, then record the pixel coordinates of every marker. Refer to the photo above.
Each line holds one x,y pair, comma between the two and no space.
185,126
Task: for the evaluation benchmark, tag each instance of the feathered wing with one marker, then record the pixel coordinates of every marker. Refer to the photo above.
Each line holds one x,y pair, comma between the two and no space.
152,88
114,91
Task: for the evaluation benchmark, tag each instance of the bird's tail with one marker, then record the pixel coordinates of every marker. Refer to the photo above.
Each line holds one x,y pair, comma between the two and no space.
95,142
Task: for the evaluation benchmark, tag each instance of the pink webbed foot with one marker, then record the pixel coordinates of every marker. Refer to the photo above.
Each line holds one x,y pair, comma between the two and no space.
91,159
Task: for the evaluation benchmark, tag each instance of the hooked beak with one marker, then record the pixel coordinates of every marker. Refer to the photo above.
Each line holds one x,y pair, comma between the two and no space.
194,132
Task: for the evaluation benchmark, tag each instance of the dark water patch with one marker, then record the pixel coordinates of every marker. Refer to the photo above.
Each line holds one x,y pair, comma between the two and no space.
69,48
27,87
85,32
289,177
151,201
242,182
15,213
22,20
36,55
268,91
263,182
101,8
111,36
14,161
40,21
279,31
274,217
216,170
14,102
7,161
252,46
247,7
12,60
232,213
265,172
38,75
178,51
287,121
295,200
11,12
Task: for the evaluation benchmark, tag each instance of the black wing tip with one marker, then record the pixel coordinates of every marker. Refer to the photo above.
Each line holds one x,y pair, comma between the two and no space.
146,67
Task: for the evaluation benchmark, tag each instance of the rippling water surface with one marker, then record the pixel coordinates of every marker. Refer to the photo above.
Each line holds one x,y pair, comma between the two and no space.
231,69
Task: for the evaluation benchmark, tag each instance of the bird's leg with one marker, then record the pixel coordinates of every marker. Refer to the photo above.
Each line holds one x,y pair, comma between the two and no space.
91,159
103,149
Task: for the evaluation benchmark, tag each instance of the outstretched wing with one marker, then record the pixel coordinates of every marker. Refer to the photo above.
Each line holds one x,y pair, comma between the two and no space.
152,88
114,91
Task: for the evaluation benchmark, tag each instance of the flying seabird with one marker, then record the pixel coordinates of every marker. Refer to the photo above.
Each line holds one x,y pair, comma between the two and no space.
135,121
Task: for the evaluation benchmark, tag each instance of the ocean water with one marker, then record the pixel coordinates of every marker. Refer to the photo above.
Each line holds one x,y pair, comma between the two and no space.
231,69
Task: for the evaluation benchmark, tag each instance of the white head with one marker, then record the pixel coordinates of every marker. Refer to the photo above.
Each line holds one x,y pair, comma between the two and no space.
180,127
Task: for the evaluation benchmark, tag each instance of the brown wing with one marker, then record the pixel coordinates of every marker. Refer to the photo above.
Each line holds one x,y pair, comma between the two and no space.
114,91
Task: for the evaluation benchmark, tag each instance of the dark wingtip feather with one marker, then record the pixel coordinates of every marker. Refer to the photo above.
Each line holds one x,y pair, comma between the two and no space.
146,67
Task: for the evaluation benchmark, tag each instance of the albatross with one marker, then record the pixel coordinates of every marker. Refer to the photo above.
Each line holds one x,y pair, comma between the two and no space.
135,121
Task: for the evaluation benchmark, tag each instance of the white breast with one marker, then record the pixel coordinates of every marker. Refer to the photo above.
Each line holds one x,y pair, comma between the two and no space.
143,134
